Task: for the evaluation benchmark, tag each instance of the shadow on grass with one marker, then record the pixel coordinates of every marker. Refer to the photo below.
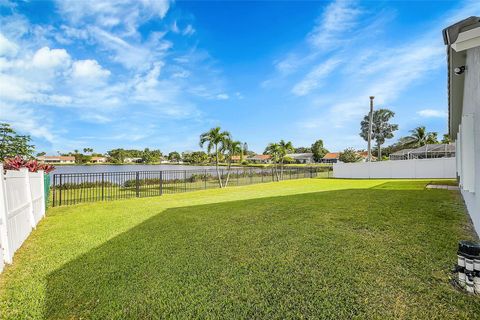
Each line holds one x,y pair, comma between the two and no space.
336,254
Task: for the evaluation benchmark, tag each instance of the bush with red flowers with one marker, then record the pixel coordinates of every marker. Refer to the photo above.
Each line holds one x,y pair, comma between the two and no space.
16,163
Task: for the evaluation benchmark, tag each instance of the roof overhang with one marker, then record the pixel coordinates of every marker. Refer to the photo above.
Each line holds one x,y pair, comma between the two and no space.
459,38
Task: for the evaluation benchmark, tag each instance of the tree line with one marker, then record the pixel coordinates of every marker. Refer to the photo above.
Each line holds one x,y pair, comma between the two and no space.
383,130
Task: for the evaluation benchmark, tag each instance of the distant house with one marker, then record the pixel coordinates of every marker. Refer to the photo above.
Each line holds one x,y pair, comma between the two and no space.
364,156
331,157
260,158
98,160
56,159
301,157
132,160
237,159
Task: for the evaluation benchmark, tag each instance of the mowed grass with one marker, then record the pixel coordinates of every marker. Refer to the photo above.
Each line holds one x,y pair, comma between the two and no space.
309,248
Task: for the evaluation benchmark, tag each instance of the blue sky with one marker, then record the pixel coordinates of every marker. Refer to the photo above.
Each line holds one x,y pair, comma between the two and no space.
136,74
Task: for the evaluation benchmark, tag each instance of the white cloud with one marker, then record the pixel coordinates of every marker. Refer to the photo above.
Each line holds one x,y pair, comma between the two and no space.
89,69
26,120
338,17
46,58
222,96
175,28
188,31
312,80
432,113
7,47
127,15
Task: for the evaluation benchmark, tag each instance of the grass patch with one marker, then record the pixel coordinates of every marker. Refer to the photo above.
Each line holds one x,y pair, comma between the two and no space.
445,182
309,248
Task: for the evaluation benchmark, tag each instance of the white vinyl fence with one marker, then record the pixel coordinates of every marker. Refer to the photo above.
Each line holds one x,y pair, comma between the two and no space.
413,169
22,206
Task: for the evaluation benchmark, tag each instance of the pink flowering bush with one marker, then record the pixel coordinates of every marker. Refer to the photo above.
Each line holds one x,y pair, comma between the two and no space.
16,163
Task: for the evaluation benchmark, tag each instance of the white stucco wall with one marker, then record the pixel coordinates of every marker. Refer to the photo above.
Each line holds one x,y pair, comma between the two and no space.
471,158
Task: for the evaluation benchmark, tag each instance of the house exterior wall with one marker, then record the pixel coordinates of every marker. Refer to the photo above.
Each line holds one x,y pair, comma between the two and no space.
468,138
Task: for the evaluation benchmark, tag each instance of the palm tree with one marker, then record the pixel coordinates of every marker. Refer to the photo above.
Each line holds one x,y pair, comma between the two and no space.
420,137
87,150
285,148
215,139
274,150
382,129
446,139
231,148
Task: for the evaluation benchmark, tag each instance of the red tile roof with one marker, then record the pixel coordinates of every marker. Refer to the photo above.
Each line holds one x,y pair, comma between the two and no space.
64,158
332,155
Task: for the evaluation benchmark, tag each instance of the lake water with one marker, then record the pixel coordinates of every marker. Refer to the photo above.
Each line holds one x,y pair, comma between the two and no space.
176,171
125,168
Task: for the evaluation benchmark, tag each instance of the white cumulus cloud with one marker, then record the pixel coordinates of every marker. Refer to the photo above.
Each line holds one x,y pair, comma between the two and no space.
312,80
7,47
46,58
89,69
432,113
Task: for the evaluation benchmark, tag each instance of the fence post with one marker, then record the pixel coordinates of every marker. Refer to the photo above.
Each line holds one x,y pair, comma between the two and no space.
185,180
42,190
205,178
26,180
311,173
103,186
53,189
4,243
60,195
161,182
251,175
46,189
273,177
137,184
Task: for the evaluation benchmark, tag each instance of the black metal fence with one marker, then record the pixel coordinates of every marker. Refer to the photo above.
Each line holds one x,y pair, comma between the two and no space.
73,188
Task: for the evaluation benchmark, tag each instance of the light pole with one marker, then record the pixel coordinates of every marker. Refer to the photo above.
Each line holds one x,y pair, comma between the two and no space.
370,126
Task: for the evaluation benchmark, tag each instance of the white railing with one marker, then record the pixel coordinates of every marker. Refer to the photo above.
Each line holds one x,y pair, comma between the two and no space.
22,206
413,169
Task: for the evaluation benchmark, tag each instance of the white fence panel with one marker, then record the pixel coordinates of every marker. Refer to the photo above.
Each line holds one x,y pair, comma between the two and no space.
22,205
37,194
402,169
413,169
2,261
19,209
382,170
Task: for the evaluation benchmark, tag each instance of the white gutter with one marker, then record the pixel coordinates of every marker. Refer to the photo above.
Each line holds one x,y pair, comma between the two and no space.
467,40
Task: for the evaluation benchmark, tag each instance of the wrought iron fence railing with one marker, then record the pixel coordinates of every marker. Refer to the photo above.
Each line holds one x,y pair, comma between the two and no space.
74,188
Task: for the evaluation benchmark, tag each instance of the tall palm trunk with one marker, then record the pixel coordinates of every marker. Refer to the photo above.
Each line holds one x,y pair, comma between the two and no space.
216,167
281,169
379,152
276,171
228,172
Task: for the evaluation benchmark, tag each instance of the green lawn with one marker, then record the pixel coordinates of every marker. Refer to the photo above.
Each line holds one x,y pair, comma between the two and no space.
308,248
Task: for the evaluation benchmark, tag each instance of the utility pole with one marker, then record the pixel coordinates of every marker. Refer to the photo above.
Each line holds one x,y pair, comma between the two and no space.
370,128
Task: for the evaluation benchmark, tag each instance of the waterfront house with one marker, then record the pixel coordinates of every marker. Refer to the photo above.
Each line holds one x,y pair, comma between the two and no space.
301,157
260,158
98,160
56,159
